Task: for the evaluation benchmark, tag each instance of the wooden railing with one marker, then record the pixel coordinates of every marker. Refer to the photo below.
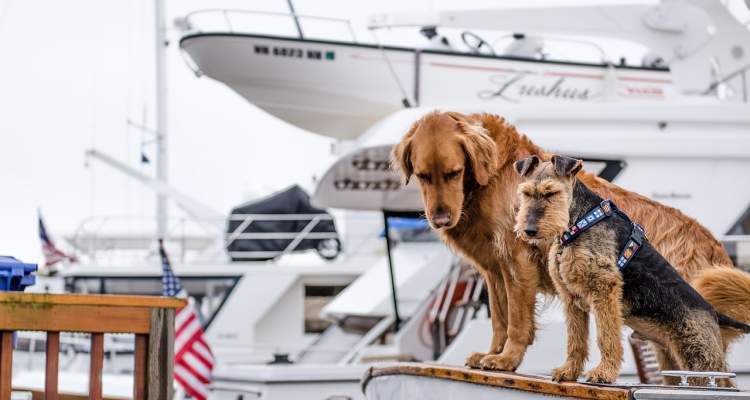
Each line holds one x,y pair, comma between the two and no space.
150,318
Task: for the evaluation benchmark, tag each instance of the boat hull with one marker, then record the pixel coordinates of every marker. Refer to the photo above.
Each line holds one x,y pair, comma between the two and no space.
339,89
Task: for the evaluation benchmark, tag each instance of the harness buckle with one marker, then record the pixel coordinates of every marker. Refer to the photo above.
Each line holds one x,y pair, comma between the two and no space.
638,234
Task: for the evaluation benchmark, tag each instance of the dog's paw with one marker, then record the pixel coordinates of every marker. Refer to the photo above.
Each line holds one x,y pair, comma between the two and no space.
602,374
475,360
499,362
565,372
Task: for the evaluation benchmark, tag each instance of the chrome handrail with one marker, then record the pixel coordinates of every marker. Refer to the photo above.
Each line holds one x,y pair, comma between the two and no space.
188,21
742,73
89,237
296,237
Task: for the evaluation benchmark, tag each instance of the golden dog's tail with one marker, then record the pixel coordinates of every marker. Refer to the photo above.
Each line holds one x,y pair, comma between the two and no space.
728,290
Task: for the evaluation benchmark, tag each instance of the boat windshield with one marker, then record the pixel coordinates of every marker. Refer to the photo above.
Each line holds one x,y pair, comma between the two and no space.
411,230
207,292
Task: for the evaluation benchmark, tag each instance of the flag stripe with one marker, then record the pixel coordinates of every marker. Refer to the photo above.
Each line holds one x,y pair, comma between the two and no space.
188,323
183,339
194,360
202,350
190,383
195,366
200,359
182,315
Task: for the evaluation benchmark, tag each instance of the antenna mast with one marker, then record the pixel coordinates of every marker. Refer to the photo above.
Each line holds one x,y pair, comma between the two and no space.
161,115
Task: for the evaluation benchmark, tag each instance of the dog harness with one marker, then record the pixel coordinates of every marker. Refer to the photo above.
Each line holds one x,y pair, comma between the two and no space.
604,210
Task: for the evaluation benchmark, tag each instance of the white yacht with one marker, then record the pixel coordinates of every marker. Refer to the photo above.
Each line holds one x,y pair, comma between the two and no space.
677,117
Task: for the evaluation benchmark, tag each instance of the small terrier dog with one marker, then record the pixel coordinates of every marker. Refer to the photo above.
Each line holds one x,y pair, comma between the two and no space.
600,261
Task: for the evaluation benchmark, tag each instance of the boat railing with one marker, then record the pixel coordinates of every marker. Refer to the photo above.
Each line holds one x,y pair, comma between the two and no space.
189,238
149,318
125,238
735,85
311,221
449,313
231,20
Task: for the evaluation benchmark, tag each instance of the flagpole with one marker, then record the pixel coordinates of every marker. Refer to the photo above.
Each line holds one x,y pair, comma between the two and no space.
161,115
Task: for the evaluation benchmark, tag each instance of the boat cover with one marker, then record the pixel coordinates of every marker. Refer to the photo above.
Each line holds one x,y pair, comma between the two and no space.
293,200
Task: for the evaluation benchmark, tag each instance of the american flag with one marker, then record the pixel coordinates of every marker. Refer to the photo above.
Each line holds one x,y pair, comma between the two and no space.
193,360
52,255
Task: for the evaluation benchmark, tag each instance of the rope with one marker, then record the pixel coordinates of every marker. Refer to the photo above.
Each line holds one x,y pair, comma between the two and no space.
404,97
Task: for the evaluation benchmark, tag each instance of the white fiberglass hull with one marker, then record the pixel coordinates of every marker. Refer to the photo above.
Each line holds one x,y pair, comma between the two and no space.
289,382
691,157
340,89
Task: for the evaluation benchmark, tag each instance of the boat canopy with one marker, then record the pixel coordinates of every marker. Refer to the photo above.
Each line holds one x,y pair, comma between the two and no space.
280,223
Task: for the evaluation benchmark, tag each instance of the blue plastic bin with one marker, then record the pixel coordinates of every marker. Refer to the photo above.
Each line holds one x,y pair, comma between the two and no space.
15,275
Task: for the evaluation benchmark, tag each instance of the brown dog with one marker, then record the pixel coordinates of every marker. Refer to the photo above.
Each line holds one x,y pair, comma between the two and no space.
465,168
601,263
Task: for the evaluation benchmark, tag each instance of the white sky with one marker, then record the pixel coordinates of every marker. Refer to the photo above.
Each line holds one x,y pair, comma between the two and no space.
73,71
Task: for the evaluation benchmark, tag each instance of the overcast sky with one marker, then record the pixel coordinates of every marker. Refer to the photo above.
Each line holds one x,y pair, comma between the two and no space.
73,72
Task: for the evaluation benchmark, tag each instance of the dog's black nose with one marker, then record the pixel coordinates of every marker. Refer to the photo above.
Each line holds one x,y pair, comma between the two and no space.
530,232
441,217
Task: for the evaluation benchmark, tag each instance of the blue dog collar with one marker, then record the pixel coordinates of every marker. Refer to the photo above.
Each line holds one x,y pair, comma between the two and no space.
596,214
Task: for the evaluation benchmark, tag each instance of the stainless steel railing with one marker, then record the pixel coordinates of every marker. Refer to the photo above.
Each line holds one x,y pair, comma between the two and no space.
191,21
246,220
742,80
107,238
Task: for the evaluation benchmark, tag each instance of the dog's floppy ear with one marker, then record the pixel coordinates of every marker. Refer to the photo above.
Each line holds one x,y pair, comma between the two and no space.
566,166
527,165
480,151
401,154
456,116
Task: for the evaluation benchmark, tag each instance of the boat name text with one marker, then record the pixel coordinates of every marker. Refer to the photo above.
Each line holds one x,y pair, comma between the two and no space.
512,87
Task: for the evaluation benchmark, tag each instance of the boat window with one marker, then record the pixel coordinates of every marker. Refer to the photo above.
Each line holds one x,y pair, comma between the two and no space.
737,241
208,293
411,230
742,226
316,297
607,169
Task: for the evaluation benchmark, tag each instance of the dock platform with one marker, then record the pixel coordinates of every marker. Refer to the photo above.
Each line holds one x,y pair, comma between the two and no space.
432,381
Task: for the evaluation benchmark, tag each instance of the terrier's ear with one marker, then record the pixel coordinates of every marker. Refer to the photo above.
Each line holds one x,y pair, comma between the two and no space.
401,155
566,166
527,165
